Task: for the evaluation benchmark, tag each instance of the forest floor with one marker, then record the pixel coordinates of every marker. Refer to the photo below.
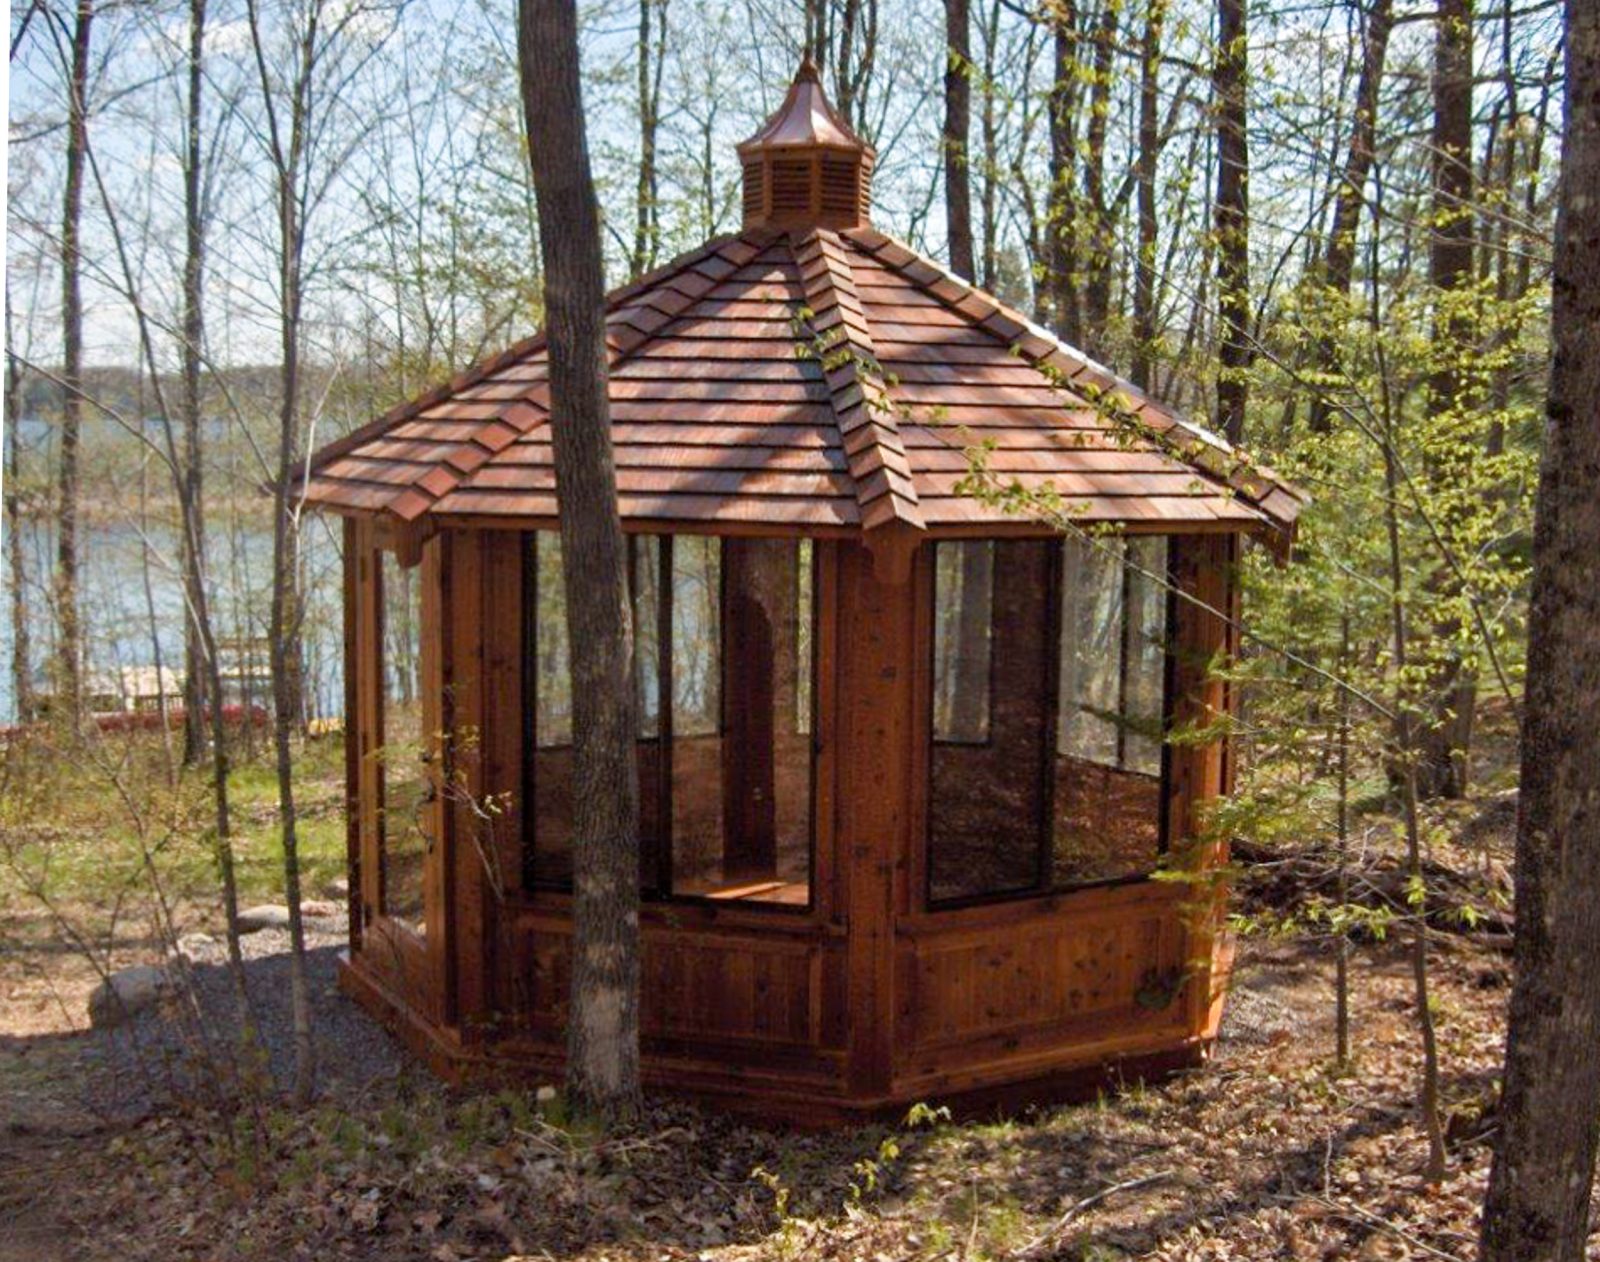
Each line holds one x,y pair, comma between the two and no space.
112,1145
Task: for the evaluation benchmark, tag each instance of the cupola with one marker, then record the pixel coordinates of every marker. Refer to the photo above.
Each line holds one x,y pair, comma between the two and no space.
806,167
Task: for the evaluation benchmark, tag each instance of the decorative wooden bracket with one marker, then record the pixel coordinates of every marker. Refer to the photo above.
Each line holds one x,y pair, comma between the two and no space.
404,538
894,548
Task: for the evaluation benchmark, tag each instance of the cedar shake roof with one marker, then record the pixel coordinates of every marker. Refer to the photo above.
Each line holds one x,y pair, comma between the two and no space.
817,378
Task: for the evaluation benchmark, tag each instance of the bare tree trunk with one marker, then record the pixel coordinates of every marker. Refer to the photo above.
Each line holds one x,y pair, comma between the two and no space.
647,219
1232,223
21,645
1338,260
202,660
283,633
1144,276
1446,740
811,43
603,1033
1061,211
190,501
858,56
1102,244
989,128
957,129
1341,963
1407,756
68,682
1537,1209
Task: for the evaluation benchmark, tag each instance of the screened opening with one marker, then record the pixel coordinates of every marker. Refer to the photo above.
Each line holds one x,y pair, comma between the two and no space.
1061,647
403,794
963,618
723,635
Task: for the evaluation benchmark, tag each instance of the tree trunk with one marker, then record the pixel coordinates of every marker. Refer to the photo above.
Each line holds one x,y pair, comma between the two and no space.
1061,284
647,219
68,681
283,635
1338,259
603,1033
204,681
21,646
957,130
190,502
1406,760
1539,1186
989,127
1446,739
1144,276
1232,223
1102,243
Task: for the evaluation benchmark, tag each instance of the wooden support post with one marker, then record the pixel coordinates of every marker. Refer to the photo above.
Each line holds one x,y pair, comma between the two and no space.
875,681
1202,567
438,880
479,737
352,729
365,725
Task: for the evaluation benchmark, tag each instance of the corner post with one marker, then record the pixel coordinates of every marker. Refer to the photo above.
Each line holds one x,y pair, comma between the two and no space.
876,760
1203,569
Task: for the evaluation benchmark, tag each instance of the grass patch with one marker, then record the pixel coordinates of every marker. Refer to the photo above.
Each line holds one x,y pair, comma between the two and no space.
102,833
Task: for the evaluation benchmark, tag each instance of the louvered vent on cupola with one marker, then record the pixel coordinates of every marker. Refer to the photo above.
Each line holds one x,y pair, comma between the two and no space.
806,167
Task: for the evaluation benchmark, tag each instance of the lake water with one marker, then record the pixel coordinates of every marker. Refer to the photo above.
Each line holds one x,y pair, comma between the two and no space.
131,601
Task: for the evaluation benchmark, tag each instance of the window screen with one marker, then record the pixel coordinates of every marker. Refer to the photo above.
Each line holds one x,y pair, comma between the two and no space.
1107,817
990,750
1059,782
723,636
402,839
962,620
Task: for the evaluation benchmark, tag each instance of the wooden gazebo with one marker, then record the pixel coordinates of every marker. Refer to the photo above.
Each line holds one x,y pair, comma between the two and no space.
902,773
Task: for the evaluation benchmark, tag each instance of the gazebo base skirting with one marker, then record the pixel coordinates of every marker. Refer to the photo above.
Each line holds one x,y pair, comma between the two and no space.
1078,994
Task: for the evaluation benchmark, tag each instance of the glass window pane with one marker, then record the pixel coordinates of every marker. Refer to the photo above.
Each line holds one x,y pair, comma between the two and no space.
551,772
989,791
696,754
649,555
403,840
741,826
962,619
645,554
1091,632
1107,815
725,785
554,720
696,636
1144,681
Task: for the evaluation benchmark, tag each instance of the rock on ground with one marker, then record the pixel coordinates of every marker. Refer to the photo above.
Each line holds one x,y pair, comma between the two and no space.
128,992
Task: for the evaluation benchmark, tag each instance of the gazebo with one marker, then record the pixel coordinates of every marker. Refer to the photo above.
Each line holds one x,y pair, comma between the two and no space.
901,761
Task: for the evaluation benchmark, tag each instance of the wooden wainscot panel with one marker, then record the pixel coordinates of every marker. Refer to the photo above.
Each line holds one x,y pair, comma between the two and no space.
1023,979
746,987
398,960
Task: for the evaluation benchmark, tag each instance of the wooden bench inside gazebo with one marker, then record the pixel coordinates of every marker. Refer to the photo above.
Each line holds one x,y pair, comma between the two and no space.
901,760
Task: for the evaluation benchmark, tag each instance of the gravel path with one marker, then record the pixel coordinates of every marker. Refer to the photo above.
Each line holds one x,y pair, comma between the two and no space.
184,1051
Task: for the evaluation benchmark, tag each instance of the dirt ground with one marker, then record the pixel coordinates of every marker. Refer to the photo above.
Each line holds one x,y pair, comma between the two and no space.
1267,1152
